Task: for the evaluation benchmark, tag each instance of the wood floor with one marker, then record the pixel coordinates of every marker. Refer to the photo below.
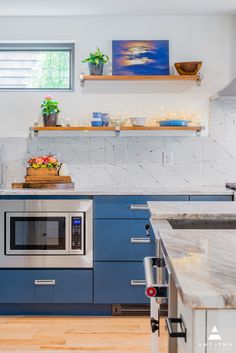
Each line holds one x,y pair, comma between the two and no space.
76,334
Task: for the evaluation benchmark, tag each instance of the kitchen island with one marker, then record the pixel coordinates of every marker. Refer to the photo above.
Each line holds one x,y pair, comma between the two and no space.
202,273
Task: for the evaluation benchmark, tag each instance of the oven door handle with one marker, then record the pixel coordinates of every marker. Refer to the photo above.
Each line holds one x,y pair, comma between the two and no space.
148,269
153,289
45,282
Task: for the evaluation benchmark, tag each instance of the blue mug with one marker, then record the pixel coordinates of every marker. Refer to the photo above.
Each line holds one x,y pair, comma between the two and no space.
97,119
97,115
105,119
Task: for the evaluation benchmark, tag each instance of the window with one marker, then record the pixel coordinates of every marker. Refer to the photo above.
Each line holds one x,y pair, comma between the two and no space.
28,66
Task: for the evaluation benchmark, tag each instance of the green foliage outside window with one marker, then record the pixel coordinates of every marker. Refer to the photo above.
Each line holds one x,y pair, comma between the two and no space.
53,71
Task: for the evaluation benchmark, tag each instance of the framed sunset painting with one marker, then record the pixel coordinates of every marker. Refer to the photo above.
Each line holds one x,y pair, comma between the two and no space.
140,57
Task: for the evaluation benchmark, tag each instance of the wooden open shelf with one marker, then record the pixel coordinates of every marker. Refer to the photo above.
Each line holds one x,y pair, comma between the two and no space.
112,128
89,131
196,78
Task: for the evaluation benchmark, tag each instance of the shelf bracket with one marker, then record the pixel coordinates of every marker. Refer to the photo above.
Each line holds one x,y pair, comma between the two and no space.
36,132
199,80
198,133
82,80
117,131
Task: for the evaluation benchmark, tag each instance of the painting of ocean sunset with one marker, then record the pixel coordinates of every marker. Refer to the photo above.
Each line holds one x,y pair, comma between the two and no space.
140,57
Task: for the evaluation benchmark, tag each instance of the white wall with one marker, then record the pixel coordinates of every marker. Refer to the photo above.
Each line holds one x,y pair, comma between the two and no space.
207,38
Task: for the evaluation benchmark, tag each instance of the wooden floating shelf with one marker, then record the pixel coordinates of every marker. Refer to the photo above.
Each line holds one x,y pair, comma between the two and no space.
125,131
196,78
112,128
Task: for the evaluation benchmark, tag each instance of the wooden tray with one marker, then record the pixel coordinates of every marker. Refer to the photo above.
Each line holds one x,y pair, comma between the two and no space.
39,185
47,179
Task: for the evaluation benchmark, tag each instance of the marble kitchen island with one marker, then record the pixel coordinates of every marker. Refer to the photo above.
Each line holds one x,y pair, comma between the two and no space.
202,273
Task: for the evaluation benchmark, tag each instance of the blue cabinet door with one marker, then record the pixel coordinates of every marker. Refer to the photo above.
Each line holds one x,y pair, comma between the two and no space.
123,206
211,198
114,283
122,240
36,286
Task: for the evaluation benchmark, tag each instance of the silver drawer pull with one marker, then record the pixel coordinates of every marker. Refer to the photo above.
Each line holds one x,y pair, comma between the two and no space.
139,207
45,282
140,240
137,282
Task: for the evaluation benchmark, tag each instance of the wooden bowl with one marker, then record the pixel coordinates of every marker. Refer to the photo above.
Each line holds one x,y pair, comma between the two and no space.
188,68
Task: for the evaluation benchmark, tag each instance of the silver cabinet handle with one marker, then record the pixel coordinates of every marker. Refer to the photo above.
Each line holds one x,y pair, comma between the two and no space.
45,282
138,282
139,207
140,240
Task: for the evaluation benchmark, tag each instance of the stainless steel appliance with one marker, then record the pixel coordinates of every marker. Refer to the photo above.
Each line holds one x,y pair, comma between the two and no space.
160,288
157,291
46,233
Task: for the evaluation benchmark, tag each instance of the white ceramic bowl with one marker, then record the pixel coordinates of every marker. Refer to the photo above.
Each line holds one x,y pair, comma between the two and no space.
138,121
117,122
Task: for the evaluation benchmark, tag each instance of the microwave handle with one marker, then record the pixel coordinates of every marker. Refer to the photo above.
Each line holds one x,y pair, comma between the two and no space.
45,282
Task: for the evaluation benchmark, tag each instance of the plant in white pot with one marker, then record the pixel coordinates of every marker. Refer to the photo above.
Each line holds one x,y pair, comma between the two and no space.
96,61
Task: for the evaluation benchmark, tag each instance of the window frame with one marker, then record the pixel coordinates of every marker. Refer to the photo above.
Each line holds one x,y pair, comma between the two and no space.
47,46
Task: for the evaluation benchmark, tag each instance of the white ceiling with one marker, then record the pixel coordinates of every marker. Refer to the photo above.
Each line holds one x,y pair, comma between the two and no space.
115,7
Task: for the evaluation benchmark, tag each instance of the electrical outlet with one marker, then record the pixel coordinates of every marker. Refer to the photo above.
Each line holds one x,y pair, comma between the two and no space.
168,159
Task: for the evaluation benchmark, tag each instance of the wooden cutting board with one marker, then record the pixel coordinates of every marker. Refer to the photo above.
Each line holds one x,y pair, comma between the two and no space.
49,179
34,185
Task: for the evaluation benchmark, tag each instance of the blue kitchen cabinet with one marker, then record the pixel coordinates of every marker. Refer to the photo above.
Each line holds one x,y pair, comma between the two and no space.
122,207
122,240
71,286
118,261
118,283
211,198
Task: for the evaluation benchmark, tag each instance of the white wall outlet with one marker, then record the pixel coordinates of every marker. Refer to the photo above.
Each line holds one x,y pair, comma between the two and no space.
168,159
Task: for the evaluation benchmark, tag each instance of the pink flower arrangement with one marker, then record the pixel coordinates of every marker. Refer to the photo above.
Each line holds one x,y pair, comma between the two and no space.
48,98
43,162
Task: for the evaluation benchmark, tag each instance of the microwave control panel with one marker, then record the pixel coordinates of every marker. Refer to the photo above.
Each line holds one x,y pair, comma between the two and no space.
76,233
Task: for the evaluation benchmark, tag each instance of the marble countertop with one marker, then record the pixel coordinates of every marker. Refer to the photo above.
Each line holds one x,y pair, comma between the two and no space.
203,263
194,209
121,191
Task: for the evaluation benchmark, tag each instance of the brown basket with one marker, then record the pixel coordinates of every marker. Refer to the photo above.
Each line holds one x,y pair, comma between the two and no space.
42,172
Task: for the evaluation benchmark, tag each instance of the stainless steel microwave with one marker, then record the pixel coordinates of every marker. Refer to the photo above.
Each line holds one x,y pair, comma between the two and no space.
46,233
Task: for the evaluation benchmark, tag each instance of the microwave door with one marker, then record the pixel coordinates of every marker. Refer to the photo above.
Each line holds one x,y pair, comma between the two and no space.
36,233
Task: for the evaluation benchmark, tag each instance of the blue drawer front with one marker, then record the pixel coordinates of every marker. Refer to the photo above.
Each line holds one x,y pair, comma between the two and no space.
112,240
120,206
112,283
71,286
211,198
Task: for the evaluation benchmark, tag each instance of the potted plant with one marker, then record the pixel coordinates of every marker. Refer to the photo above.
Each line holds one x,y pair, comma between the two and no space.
96,60
43,166
50,110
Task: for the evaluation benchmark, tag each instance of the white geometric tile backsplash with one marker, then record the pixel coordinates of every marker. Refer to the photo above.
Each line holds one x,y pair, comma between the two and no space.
137,162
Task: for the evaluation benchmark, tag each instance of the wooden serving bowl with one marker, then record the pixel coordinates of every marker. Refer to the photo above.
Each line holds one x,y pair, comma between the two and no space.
188,68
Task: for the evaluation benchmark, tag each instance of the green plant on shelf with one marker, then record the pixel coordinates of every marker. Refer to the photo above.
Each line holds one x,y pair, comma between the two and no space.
96,58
